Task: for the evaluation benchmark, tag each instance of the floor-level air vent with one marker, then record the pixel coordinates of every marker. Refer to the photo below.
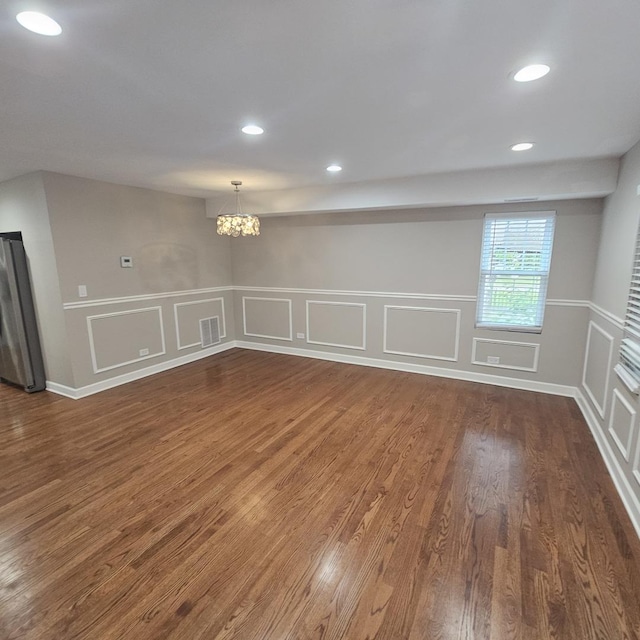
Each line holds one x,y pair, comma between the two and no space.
209,331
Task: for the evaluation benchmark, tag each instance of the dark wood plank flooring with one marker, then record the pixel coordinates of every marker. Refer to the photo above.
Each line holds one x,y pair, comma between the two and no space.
259,496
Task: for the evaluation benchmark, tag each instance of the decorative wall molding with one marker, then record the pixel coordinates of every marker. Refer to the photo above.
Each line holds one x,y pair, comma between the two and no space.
625,490
360,347
613,319
456,348
600,408
223,332
536,354
80,304
110,383
361,294
94,359
260,335
141,298
561,302
558,302
625,448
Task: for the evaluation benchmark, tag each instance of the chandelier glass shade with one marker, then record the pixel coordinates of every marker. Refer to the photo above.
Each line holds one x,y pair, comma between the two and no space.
238,223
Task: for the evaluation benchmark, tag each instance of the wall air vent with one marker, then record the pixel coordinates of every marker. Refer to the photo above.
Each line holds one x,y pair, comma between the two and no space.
209,331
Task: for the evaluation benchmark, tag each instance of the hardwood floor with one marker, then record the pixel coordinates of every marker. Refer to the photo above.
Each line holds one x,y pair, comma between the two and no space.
259,496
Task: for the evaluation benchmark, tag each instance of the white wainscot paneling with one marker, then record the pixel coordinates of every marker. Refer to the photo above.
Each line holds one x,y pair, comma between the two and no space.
622,423
597,366
121,338
187,318
423,332
337,324
267,318
519,356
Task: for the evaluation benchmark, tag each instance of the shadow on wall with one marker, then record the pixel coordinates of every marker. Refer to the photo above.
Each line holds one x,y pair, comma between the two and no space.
165,266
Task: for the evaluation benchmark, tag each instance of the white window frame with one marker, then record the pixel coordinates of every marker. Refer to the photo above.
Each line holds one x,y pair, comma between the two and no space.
628,368
489,273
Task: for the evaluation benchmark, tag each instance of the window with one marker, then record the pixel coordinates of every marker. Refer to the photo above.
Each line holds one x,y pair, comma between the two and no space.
514,270
629,367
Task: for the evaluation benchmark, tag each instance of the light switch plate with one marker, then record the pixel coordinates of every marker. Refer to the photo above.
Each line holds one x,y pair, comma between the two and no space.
126,262
82,291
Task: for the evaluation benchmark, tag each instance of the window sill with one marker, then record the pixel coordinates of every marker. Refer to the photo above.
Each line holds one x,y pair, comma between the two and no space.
514,328
628,379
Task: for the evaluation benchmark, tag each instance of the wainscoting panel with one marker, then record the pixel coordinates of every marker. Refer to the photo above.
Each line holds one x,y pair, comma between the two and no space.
520,356
337,324
597,366
125,337
422,332
188,315
267,318
622,423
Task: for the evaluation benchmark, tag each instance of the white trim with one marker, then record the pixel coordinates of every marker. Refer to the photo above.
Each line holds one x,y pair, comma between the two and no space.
143,297
626,492
625,450
561,302
97,387
536,354
613,319
456,348
62,390
429,370
223,334
329,292
363,294
362,347
600,409
260,335
94,360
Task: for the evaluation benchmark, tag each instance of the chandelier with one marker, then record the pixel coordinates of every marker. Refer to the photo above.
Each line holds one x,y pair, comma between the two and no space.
238,223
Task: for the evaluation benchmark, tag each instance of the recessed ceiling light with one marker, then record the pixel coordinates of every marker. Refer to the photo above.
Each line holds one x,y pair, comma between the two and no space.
532,72
334,168
39,23
522,146
253,130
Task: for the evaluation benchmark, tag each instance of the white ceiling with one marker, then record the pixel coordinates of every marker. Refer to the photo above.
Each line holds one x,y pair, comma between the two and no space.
153,92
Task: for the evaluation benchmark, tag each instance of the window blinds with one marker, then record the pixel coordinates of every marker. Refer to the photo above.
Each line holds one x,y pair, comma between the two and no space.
630,347
514,270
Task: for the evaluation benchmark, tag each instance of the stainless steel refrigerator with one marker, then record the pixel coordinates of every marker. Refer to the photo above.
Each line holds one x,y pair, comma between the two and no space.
20,354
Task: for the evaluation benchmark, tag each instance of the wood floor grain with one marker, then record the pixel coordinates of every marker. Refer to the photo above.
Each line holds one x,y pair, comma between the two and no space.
258,496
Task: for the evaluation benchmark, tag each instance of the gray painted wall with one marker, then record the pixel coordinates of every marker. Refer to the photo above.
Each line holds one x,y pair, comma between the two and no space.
614,410
174,246
432,254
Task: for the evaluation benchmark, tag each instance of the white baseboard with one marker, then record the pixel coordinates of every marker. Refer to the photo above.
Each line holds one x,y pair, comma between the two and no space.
625,490
442,372
83,392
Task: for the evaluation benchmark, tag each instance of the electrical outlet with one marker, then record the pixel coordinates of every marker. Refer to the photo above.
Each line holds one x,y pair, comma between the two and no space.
144,352
300,336
493,360
82,291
